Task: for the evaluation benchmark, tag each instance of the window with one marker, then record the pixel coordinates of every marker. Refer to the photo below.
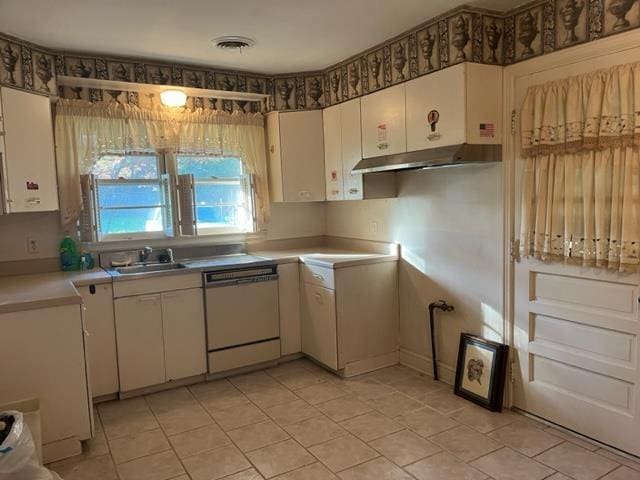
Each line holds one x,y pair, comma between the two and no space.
131,199
223,193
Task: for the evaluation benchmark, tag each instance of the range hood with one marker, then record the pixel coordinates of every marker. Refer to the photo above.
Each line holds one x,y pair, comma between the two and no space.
438,157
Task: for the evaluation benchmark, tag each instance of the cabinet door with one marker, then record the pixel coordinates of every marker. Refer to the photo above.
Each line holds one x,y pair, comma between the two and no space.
101,342
351,134
289,303
43,357
140,341
185,351
29,160
383,122
331,124
319,334
302,156
442,92
275,158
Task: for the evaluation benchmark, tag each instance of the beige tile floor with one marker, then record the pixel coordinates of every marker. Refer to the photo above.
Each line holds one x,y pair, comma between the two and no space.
298,422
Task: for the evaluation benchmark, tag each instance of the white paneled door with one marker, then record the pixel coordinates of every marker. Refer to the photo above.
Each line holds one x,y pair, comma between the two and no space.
576,329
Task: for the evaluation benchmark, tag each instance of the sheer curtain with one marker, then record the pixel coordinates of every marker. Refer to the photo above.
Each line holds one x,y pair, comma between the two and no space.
85,131
581,182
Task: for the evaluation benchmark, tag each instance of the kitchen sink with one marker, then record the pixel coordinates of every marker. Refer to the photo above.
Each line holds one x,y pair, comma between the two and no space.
148,268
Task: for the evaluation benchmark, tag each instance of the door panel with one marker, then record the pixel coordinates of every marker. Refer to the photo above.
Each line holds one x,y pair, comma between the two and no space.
576,329
140,341
289,303
101,342
29,158
383,122
302,156
185,350
331,124
351,148
319,328
443,92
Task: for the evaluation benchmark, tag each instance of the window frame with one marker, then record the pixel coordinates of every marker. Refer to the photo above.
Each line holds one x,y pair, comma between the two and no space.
247,184
167,164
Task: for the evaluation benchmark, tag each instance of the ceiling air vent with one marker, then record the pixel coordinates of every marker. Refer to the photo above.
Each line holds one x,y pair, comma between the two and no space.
233,43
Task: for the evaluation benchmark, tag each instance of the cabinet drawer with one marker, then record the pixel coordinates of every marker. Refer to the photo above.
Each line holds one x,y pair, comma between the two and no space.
320,276
162,283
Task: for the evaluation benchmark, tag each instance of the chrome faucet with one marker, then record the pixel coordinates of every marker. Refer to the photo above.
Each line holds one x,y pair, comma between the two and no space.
170,254
145,252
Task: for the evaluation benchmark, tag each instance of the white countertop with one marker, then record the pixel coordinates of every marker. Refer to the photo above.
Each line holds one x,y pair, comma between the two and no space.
41,290
33,291
327,257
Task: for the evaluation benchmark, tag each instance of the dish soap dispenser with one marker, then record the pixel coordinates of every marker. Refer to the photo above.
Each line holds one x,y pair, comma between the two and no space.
68,254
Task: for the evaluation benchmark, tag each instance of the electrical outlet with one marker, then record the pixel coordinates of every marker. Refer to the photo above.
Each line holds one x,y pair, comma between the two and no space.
33,245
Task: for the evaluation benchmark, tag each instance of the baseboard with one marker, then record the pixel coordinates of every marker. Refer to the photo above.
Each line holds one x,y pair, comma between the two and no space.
161,387
61,449
370,364
423,364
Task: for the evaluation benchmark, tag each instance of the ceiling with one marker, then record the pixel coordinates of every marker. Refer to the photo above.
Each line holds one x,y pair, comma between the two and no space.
291,35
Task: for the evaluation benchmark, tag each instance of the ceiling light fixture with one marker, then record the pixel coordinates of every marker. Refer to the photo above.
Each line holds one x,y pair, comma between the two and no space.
232,43
173,98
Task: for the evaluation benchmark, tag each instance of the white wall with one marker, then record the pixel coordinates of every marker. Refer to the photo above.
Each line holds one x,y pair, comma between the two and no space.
287,221
448,222
16,228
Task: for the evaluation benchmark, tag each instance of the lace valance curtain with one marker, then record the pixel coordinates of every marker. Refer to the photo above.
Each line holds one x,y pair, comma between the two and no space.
85,131
581,182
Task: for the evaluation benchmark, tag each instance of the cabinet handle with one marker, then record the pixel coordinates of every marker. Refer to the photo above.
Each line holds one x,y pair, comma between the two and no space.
86,333
317,276
153,298
33,201
353,191
383,146
318,298
272,149
171,294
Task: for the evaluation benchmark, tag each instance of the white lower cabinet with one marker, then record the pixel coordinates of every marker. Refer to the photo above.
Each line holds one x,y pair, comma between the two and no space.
289,307
140,341
43,356
183,329
349,316
161,337
319,335
101,342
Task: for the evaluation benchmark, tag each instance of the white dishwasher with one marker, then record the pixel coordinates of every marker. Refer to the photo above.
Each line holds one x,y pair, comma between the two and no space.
243,324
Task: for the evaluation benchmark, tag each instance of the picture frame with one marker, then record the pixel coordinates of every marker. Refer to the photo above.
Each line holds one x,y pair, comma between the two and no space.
481,371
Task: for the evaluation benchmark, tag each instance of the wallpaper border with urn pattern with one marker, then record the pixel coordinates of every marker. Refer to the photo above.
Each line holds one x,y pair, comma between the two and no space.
462,34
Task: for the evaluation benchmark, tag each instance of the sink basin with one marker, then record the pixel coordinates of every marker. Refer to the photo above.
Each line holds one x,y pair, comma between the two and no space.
152,267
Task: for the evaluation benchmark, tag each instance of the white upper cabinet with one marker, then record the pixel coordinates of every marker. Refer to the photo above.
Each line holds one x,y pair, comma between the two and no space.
331,125
296,156
383,122
342,150
460,104
351,149
27,159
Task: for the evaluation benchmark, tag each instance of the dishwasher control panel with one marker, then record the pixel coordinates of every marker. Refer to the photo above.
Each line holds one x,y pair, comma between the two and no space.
241,275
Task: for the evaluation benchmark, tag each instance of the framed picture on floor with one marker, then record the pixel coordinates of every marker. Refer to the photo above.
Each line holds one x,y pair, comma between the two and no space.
481,371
